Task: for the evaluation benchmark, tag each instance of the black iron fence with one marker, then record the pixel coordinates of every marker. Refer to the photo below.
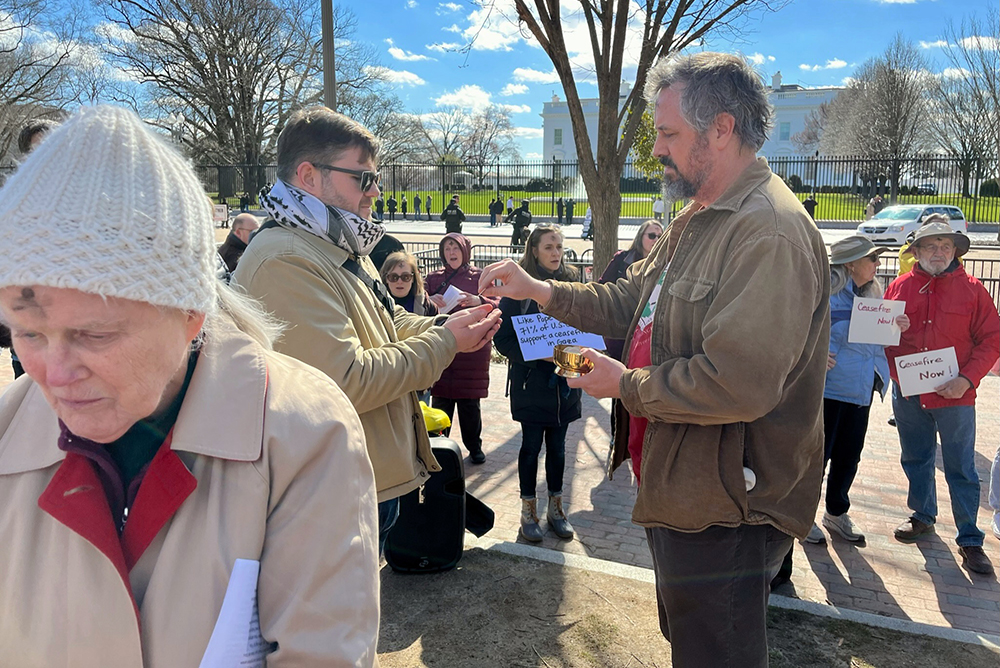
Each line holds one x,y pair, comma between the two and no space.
987,270
842,186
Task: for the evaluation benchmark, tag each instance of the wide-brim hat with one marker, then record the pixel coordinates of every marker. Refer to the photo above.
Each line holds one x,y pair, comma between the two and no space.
961,241
854,248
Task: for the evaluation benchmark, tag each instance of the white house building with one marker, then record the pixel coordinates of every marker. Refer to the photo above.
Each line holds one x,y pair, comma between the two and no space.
792,105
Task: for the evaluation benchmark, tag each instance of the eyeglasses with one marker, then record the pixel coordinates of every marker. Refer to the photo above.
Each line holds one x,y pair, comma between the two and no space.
652,235
367,177
396,278
934,249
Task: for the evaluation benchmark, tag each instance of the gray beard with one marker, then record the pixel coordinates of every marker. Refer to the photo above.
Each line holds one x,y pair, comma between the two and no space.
926,266
678,189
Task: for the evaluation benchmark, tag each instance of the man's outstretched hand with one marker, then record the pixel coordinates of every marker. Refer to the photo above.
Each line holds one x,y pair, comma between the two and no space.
514,283
474,328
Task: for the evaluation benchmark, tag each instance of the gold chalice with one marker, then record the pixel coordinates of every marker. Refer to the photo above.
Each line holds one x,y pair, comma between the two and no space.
570,362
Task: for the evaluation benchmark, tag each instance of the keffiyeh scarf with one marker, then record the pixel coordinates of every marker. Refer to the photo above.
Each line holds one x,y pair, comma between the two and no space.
292,207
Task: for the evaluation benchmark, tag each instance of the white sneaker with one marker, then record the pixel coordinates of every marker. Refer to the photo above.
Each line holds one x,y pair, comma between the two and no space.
816,536
996,523
843,525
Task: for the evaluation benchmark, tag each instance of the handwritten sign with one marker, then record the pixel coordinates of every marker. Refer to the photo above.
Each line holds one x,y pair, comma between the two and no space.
874,321
920,373
220,212
538,334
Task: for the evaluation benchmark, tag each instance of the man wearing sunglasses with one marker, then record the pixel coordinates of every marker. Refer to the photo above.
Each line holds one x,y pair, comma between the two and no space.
309,266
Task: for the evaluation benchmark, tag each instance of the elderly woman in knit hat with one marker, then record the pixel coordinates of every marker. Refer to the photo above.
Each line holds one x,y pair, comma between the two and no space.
855,372
158,459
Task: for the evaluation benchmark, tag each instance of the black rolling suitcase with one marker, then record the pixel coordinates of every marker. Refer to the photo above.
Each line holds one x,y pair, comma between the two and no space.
429,535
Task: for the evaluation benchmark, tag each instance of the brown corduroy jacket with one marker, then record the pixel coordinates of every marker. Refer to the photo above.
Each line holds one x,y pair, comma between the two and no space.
739,351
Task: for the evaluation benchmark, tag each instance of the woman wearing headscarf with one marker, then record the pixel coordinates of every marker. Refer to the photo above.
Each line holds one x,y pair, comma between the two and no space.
466,381
158,459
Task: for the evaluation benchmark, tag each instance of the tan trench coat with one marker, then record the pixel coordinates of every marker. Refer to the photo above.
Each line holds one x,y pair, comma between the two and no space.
379,359
267,462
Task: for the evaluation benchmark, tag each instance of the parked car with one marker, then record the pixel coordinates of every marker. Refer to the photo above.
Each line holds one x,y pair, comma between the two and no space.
927,189
892,224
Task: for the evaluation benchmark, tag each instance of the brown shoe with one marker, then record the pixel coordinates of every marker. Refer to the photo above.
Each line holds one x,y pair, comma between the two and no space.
910,529
976,560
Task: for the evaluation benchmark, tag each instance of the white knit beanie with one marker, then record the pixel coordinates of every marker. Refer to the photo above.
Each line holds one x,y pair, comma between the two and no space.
106,206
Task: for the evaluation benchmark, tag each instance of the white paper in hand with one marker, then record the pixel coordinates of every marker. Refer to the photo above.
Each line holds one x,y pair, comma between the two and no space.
874,321
236,641
451,298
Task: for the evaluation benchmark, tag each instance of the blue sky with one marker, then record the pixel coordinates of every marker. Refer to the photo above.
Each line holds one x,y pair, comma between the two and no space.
812,42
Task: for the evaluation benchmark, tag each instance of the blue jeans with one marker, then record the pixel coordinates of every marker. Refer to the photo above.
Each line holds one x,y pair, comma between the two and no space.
918,428
555,458
388,513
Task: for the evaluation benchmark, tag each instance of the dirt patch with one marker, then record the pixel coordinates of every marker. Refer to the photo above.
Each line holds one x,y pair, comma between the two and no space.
513,612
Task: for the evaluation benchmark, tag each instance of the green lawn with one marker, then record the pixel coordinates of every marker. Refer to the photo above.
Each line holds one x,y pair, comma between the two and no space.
640,205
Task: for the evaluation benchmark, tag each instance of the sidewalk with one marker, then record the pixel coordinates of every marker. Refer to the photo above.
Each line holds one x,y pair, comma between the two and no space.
921,582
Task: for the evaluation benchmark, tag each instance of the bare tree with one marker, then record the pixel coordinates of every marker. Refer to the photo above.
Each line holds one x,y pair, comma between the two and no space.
957,127
808,141
973,52
658,28
35,49
444,132
490,138
233,70
400,133
882,116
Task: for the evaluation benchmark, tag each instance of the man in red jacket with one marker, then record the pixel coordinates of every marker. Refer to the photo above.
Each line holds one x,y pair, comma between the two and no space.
947,308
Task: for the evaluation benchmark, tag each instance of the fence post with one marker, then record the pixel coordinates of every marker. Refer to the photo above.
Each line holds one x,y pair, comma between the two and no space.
443,203
552,195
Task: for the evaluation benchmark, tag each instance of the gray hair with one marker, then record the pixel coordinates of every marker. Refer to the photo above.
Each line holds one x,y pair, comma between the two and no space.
839,273
716,83
245,313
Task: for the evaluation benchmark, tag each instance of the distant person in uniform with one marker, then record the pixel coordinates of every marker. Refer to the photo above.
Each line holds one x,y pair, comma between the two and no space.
810,205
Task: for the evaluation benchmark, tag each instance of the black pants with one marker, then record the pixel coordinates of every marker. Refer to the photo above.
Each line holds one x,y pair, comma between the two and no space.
532,436
844,427
469,416
712,592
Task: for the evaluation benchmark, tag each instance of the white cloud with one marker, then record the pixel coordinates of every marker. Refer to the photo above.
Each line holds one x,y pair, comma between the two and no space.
407,56
955,73
756,58
833,64
934,45
535,76
533,156
983,42
896,2
447,8
444,46
847,81
529,133
453,28
398,77
112,32
516,108
514,89
467,97
770,58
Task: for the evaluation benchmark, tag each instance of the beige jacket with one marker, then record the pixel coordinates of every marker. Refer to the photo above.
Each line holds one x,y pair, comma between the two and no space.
267,462
339,327
739,351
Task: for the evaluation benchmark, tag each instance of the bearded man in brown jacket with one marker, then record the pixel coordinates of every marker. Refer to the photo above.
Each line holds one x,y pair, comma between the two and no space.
726,327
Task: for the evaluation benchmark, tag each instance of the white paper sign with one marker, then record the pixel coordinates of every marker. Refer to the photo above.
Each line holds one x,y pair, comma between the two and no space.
874,321
220,212
538,334
451,298
236,641
920,373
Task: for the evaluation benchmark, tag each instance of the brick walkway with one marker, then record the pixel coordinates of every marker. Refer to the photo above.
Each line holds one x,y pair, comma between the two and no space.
922,582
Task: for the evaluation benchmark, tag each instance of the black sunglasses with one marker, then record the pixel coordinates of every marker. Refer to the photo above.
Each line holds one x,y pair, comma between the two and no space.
652,235
368,178
395,278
